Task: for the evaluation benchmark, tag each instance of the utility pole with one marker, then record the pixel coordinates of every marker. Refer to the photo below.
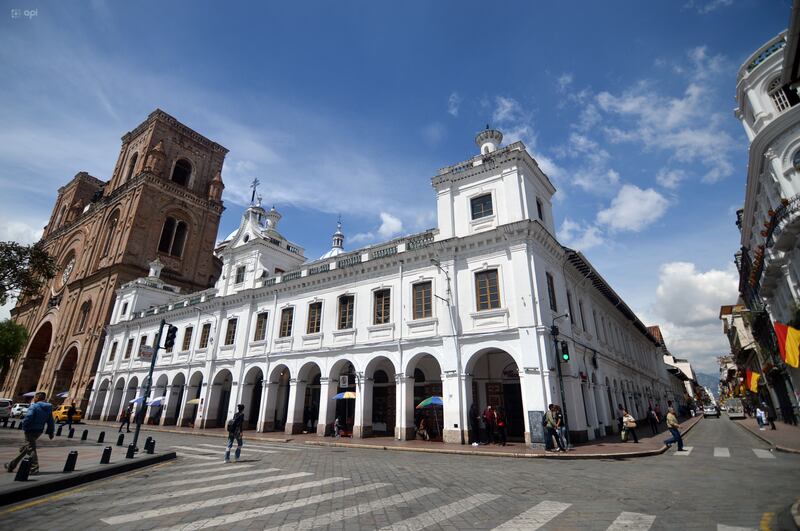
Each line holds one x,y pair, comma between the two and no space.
149,384
554,331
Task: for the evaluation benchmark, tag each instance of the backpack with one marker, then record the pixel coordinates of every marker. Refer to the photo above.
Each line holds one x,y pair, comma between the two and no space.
544,421
231,426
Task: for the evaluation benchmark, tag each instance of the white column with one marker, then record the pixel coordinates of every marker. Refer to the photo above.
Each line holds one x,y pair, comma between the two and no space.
262,407
326,407
267,416
297,395
534,398
404,398
451,433
362,421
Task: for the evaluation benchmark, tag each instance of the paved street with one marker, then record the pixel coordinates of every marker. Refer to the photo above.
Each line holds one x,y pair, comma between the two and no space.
728,478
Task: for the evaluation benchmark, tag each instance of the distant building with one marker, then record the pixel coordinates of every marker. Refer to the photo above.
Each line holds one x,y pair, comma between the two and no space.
682,382
769,259
462,312
162,200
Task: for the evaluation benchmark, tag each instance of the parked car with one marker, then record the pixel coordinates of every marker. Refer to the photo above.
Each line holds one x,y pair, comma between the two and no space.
60,414
710,410
735,408
19,409
5,408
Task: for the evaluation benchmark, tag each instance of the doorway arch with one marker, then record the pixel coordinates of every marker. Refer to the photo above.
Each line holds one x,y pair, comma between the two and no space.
99,400
251,396
495,382
33,363
311,376
219,400
64,374
175,399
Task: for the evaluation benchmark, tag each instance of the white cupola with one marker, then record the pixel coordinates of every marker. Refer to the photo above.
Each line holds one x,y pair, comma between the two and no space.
488,140
337,243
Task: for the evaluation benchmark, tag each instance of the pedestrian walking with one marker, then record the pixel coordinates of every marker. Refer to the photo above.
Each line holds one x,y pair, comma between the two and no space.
760,418
489,420
502,433
674,429
771,416
337,427
560,428
653,419
71,413
474,424
620,414
235,426
125,419
39,416
551,431
658,413
422,429
629,425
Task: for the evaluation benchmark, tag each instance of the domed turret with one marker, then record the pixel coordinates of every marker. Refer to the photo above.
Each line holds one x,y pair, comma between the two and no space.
337,243
488,140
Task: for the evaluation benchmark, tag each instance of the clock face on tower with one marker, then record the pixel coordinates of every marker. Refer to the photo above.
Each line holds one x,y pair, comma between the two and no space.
65,274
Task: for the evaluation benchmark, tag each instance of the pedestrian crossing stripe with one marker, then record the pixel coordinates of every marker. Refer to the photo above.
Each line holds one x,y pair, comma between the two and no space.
196,456
763,454
244,449
204,467
535,517
722,452
632,521
353,511
213,488
228,519
722,527
225,500
441,514
204,451
686,451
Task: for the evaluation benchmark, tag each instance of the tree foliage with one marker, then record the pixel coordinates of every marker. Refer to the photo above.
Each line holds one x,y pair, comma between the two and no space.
13,337
24,269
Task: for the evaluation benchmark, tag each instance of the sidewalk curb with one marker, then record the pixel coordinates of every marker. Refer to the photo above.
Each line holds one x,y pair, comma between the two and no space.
770,443
565,456
249,433
27,492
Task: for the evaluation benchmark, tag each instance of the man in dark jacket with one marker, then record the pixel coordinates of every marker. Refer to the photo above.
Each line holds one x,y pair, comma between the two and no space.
39,416
71,413
235,426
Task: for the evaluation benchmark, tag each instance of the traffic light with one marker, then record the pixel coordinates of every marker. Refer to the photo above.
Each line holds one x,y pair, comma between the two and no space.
172,332
564,351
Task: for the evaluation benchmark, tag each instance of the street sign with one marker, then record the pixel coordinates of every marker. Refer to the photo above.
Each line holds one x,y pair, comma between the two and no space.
344,381
146,353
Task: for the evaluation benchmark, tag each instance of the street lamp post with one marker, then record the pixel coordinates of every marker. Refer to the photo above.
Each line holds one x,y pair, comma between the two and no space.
554,332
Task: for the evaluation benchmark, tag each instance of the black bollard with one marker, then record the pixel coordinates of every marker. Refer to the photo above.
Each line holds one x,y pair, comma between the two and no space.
101,437
71,433
5,422
72,458
147,443
120,439
152,446
106,458
13,423
24,470
131,451
58,431
85,435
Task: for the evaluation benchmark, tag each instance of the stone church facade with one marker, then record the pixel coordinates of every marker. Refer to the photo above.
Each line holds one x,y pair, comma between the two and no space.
163,200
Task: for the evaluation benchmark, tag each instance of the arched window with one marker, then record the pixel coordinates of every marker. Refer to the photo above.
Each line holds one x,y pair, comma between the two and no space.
778,95
60,217
181,172
131,166
110,229
84,316
173,237
796,160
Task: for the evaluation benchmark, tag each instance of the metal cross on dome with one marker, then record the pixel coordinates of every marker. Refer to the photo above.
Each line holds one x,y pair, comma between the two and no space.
254,185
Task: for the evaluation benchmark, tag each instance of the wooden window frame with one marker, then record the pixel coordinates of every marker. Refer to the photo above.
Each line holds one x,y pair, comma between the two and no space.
262,319
314,321
382,306
240,273
205,334
186,343
485,297
230,334
346,314
483,213
420,307
129,348
551,291
113,353
287,322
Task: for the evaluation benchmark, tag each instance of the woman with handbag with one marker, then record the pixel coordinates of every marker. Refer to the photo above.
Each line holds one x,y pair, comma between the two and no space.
629,425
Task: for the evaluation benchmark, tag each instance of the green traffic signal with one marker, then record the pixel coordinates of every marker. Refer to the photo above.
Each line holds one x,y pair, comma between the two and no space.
564,351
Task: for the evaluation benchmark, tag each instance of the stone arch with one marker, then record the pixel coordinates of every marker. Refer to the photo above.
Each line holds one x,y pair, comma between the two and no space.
414,390
182,172
379,400
134,157
175,397
99,400
495,382
252,389
310,378
159,390
216,411
64,374
194,391
131,392
344,409
34,359
277,403
117,395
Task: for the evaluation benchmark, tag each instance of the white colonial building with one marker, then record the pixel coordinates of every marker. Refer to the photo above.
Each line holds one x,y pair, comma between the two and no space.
463,311
767,94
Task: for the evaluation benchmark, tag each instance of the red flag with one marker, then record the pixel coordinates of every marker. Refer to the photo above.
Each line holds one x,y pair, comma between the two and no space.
789,344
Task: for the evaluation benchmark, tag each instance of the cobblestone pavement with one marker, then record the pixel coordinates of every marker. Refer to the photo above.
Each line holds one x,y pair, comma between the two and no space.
727,480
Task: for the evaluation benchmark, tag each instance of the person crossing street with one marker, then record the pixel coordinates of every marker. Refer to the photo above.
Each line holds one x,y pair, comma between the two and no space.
39,416
674,429
235,426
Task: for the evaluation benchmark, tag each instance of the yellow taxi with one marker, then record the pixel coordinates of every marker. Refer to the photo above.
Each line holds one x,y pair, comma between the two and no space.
60,414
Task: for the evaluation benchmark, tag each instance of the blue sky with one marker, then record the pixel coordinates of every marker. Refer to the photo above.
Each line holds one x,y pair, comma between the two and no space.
351,107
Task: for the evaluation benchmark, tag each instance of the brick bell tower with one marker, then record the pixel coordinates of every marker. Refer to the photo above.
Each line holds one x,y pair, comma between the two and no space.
164,200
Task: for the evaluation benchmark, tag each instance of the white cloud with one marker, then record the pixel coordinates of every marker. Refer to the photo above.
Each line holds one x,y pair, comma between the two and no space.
564,81
687,310
507,110
578,236
592,174
453,104
670,178
19,231
707,6
633,209
390,226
